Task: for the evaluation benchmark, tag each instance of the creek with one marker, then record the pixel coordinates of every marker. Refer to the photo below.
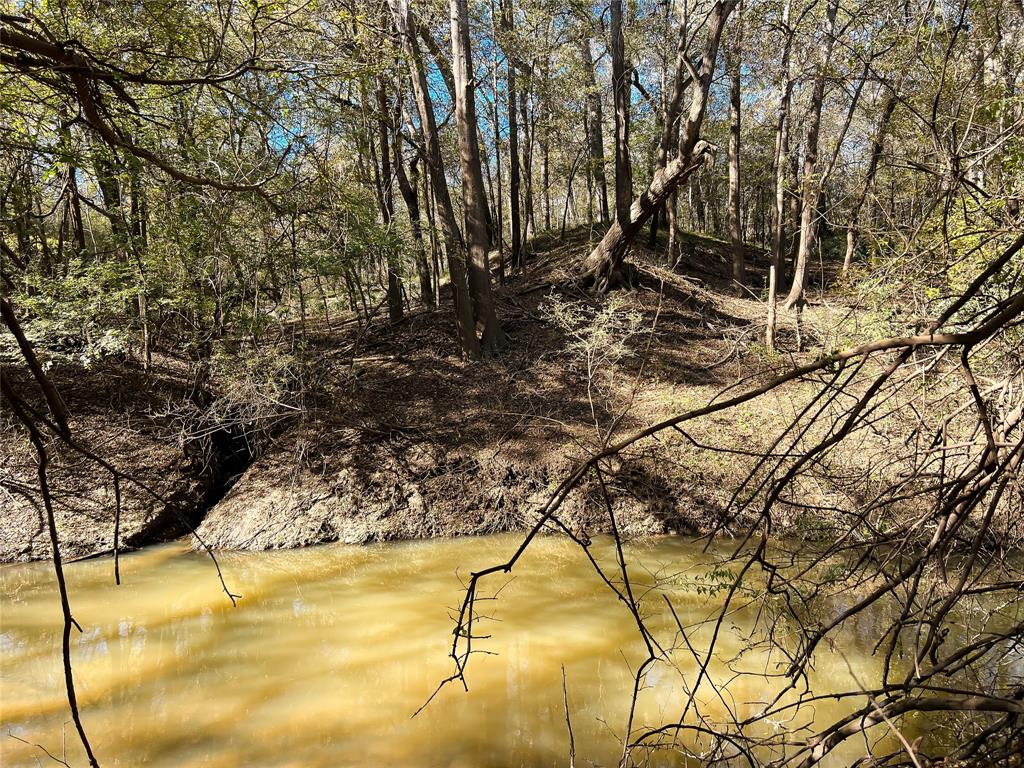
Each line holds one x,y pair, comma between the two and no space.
331,649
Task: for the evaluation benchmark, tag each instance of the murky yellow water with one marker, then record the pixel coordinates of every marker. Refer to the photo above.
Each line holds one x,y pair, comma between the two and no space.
331,650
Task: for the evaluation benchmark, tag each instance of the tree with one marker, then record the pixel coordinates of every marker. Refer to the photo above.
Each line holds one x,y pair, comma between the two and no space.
811,184
185,183
622,87
454,244
386,201
735,214
593,126
408,184
474,198
602,269
779,163
508,27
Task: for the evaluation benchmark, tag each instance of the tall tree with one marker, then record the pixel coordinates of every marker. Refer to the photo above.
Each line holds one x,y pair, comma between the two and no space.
779,166
474,198
810,183
622,87
508,26
498,194
602,268
545,134
529,135
594,119
386,200
669,140
735,214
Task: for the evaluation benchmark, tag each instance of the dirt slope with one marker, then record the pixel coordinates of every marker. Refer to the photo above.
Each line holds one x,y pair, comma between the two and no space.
411,441
398,437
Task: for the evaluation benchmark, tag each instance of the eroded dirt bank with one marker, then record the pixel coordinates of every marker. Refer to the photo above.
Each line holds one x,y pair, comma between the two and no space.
114,407
394,436
409,441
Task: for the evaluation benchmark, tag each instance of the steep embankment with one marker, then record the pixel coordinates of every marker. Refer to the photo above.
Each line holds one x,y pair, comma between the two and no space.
117,414
398,437
407,440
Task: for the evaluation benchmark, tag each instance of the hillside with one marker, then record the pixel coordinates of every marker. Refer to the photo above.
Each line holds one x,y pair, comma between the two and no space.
374,432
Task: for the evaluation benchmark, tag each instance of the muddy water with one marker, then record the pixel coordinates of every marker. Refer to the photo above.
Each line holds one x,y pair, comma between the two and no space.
331,649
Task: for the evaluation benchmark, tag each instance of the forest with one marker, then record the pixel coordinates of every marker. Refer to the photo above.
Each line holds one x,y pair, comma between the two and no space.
512,382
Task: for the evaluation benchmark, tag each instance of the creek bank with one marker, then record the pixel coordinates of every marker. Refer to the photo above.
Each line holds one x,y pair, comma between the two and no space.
398,490
114,407
406,440
399,438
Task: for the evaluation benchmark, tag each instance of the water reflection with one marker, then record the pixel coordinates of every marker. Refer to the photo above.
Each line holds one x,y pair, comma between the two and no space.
332,649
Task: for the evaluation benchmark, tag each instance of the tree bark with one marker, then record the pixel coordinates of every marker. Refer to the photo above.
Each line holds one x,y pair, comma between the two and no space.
387,203
435,246
781,154
75,202
602,268
811,184
527,176
672,250
621,89
516,257
793,209
595,137
474,199
545,141
407,184
670,137
735,214
499,196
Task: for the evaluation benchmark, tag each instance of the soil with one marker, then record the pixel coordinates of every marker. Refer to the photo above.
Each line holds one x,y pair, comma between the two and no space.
114,407
399,437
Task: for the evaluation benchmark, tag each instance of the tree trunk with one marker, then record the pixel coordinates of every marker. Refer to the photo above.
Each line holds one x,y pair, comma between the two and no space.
652,237
387,203
126,231
545,140
569,199
407,184
793,210
138,229
602,269
735,215
516,257
812,185
621,89
781,155
454,247
595,133
75,202
474,199
435,246
670,138
499,197
876,154
528,138
672,225
489,201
